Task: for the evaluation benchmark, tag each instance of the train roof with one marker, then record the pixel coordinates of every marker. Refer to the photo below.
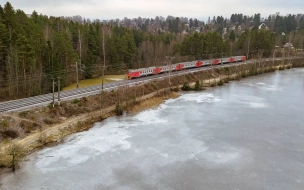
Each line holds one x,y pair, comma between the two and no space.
140,69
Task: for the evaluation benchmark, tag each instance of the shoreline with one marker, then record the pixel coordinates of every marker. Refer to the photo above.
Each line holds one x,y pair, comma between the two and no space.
56,133
81,122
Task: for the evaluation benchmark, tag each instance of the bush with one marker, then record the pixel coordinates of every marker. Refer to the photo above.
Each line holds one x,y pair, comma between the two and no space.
220,83
153,85
186,87
80,126
118,109
84,99
42,138
15,152
5,160
23,114
197,86
48,121
75,101
3,124
134,99
69,111
50,106
28,127
9,134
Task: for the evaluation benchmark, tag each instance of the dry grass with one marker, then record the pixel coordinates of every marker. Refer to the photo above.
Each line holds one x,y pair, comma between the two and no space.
96,81
4,160
151,102
28,126
47,124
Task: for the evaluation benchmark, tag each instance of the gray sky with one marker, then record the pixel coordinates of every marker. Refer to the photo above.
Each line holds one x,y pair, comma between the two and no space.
200,9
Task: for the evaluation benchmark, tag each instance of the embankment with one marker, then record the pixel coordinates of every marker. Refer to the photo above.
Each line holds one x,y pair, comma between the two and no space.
34,128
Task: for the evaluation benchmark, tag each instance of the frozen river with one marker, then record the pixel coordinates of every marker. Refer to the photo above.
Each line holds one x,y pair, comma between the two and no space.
247,134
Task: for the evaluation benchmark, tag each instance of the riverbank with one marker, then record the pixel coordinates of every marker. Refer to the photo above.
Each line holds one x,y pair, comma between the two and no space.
66,126
34,128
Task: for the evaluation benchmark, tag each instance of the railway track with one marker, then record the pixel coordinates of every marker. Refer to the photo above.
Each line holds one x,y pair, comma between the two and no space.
26,103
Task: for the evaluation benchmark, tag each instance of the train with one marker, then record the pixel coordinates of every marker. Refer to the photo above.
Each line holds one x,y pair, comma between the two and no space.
142,72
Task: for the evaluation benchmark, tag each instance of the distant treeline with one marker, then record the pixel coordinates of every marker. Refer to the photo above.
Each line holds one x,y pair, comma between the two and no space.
35,49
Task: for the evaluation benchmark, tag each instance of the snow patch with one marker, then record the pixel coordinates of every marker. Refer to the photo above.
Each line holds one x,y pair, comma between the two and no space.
80,149
200,98
151,116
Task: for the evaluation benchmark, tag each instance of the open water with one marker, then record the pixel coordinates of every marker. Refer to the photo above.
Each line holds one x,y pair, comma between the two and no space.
247,134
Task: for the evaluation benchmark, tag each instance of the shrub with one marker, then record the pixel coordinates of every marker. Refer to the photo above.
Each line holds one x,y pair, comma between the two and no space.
69,111
134,99
42,138
220,83
79,126
15,152
9,134
2,161
84,99
197,86
186,87
28,127
3,124
23,114
75,101
48,121
153,85
118,109
50,106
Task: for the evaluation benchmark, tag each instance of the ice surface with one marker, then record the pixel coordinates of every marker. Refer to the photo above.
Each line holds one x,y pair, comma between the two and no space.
200,98
257,105
151,116
81,148
230,147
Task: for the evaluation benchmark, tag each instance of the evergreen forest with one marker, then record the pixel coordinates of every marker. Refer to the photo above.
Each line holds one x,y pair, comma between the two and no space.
35,49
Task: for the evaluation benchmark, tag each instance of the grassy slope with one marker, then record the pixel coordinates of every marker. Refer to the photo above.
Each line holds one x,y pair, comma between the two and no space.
96,81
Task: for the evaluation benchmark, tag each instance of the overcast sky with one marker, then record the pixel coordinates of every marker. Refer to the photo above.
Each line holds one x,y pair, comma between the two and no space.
200,9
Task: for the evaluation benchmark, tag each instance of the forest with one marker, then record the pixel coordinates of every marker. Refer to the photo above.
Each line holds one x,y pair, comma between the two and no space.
35,49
